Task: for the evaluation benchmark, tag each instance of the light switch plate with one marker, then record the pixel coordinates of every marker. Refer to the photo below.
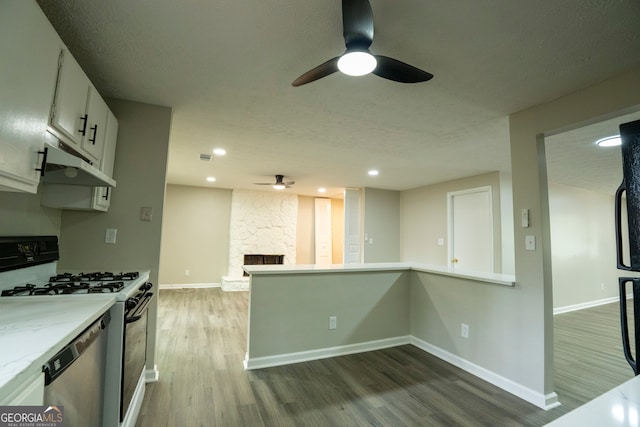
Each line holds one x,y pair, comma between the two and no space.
525,218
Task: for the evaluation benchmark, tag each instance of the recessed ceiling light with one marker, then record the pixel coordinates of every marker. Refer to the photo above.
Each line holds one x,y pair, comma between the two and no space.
610,141
211,178
322,190
219,151
373,172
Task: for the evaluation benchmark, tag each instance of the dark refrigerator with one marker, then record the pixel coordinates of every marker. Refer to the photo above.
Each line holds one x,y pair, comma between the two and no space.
630,187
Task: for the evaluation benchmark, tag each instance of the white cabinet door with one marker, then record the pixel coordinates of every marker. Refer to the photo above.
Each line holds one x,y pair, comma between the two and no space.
29,48
102,195
93,139
69,111
78,197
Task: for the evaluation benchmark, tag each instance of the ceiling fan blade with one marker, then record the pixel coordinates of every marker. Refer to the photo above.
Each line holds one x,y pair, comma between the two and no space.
288,183
398,71
357,23
322,70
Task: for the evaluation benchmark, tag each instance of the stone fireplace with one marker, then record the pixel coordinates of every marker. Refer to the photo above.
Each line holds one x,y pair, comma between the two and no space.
262,223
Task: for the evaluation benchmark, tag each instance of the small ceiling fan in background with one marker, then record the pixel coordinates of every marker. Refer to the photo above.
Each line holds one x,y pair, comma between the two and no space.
357,24
280,183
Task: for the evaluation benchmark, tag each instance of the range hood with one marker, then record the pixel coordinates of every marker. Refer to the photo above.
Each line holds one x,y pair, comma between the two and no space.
65,168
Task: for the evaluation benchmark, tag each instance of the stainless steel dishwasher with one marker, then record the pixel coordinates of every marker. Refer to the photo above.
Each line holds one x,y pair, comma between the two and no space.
74,378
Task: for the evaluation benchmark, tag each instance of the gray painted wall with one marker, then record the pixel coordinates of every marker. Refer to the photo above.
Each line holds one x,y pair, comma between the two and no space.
382,224
290,313
140,173
195,235
424,216
533,268
22,214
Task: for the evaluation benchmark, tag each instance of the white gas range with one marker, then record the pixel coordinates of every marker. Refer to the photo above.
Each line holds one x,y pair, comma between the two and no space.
28,272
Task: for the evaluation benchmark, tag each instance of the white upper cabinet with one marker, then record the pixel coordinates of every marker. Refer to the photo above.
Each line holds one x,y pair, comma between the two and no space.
69,110
102,195
93,139
29,48
79,197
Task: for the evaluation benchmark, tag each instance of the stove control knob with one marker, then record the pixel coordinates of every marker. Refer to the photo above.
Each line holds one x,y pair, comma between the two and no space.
147,286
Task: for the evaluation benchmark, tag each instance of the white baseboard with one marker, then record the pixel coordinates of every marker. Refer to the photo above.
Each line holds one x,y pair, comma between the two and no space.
151,375
189,285
589,304
540,400
323,353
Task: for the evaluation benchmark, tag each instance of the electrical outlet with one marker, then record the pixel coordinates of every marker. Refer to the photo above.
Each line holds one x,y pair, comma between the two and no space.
530,243
333,322
602,286
464,330
146,214
187,272
110,236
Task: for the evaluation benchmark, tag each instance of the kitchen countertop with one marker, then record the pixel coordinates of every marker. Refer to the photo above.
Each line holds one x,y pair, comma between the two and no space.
33,329
494,278
619,407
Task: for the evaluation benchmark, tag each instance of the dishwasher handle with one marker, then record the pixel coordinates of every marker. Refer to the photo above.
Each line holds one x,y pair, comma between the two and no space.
65,357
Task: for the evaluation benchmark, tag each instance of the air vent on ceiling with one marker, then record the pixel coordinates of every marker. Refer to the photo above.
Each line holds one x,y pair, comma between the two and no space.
205,157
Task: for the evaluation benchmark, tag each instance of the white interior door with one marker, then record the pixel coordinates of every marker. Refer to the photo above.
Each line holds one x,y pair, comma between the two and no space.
323,231
352,227
471,230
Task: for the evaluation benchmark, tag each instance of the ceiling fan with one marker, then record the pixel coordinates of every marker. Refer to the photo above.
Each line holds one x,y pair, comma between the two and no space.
357,24
280,183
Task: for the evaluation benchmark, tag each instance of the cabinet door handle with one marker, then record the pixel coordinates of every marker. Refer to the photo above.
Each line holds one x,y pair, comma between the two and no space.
84,125
95,132
44,161
106,195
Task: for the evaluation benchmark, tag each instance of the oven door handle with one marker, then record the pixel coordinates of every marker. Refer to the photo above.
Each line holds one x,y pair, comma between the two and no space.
635,285
140,308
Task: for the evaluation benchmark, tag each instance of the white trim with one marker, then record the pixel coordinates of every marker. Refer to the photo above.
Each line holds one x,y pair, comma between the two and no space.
545,402
151,375
189,285
588,304
323,353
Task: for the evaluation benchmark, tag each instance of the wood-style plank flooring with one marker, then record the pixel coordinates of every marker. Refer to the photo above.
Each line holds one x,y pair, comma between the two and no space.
202,342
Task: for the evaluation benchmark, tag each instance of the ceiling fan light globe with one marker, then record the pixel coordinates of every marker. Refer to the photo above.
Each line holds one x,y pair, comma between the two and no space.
357,63
279,186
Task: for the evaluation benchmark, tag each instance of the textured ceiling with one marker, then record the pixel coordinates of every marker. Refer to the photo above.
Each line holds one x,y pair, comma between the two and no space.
226,67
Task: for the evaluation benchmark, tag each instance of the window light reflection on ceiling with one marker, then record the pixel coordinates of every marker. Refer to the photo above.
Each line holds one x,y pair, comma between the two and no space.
609,141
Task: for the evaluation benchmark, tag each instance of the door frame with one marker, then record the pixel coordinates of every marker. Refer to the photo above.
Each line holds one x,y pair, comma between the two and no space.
450,225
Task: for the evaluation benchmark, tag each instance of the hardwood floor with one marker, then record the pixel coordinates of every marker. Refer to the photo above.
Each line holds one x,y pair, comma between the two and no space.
202,341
